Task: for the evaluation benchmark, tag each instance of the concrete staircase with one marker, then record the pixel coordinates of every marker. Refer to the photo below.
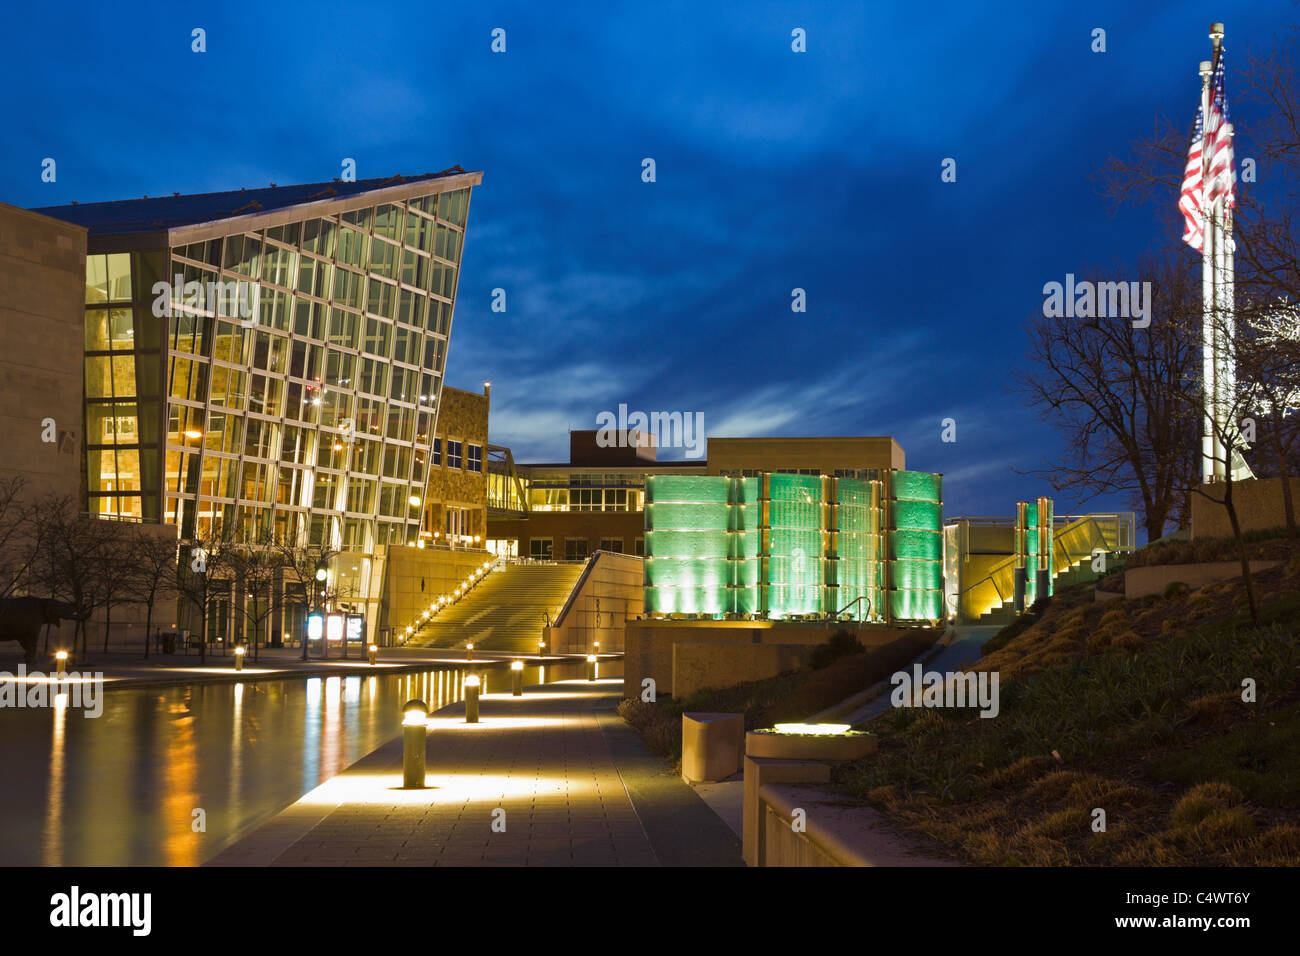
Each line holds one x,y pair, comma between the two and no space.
504,612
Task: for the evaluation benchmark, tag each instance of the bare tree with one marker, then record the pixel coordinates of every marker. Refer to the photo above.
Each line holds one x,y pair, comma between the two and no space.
203,576
301,563
19,538
1267,352
254,568
68,562
113,571
154,567
1116,393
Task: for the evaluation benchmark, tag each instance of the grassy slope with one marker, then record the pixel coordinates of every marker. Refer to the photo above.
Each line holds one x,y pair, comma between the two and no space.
1133,707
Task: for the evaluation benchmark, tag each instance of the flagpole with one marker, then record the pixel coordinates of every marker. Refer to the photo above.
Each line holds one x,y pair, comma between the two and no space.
1209,390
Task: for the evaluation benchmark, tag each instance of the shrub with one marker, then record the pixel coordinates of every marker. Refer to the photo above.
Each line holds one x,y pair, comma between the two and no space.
842,644
1175,589
1129,641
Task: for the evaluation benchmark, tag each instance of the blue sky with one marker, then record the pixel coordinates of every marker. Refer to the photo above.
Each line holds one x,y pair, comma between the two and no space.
775,170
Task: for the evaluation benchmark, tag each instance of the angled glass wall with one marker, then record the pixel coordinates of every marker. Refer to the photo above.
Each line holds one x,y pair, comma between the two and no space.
304,369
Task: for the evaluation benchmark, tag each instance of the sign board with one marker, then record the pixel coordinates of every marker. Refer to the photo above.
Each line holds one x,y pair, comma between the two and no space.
315,626
334,627
356,628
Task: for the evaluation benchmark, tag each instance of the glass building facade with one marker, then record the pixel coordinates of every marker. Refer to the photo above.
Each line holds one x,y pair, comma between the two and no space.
777,546
268,364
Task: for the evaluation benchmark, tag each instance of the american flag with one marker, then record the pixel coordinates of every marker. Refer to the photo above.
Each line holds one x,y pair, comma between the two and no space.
1189,201
1220,177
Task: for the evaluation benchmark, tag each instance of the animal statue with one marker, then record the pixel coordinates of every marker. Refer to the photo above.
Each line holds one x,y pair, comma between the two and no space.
21,620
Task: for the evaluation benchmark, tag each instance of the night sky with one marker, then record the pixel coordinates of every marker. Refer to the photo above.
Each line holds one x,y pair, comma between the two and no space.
775,170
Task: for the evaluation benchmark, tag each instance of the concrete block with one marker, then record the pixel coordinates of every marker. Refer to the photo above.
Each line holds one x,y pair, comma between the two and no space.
760,771
712,746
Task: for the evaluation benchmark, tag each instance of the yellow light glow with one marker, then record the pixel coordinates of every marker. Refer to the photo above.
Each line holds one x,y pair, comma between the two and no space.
472,681
819,730
591,658
414,718
374,647
240,650
193,433
517,665
414,500
61,656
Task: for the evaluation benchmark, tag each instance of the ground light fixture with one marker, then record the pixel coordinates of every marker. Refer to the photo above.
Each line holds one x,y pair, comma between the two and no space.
62,658
517,677
472,683
239,657
415,718
469,652
591,667
373,651
820,730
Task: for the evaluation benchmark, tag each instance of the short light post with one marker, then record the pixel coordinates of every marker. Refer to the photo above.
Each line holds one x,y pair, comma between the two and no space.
541,647
239,657
415,718
471,699
469,652
62,658
373,652
591,667
517,677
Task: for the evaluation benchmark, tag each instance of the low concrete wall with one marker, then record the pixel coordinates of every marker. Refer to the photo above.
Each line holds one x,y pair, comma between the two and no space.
648,648
414,577
1139,582
616,583
1258,503
700,666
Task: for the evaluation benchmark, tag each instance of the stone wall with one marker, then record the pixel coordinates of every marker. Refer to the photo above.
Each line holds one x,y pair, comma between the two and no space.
42,326
462,417
1258,503
414,577
615,581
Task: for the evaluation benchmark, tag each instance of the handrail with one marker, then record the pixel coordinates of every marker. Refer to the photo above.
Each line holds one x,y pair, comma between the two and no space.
857,600
573,591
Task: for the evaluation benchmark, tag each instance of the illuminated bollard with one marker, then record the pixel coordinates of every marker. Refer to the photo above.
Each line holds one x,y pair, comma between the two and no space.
62,658
591,667
471,699
415,717
374,652
541,647
469,652
239,657
517,675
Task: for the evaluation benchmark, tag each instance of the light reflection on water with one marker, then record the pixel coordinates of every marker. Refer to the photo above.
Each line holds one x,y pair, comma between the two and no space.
124,788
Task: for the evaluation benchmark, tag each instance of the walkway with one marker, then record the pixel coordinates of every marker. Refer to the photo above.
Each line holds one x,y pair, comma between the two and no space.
553,778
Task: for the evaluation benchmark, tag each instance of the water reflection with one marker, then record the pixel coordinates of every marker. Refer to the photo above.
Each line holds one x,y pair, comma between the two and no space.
122,789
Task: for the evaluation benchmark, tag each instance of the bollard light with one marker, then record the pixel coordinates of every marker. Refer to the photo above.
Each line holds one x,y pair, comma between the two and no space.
62,658
469,652
541,647
517,674
239,657
415,718
374,652
591,667
471,699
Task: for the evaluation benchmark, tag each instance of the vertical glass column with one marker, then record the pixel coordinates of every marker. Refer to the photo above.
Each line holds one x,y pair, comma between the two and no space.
793,581
916,546
687,544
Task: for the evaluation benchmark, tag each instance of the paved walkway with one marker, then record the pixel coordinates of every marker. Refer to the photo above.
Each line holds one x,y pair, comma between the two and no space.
554,778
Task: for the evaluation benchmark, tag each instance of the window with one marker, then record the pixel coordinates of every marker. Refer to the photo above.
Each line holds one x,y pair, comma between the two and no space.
453,454
612,544
437,451
474,457
540,549
575,549
640,547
